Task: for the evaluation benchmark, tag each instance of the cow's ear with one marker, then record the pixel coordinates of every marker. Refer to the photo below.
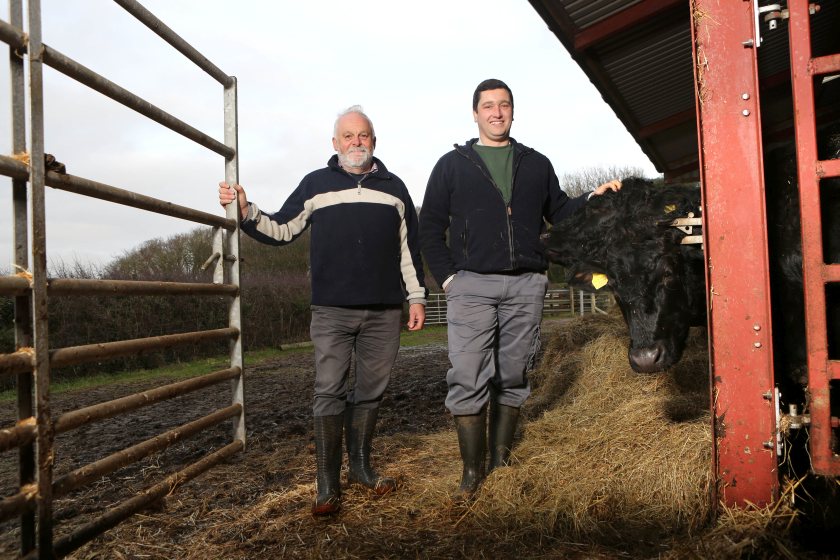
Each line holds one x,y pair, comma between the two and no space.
589,280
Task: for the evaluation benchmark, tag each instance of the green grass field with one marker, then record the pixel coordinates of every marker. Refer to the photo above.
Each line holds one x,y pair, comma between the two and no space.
435,334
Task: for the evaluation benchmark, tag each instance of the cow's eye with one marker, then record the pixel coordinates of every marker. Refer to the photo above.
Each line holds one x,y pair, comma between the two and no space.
669,278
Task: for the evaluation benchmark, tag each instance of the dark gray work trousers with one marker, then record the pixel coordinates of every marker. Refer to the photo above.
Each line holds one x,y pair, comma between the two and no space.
494,330
373,334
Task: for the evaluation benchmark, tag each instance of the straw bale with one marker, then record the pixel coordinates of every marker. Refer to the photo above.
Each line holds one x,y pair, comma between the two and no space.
607,460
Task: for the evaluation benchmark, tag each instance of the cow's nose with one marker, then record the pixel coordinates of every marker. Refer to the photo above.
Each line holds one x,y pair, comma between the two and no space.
648,359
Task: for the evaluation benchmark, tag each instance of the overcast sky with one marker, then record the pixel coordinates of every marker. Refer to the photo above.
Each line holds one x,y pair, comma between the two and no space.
412,65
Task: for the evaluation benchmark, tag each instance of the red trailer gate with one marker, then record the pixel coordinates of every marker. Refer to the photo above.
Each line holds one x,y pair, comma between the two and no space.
823,368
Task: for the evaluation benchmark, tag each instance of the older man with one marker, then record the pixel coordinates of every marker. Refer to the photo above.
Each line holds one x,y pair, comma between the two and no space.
486,204
365,263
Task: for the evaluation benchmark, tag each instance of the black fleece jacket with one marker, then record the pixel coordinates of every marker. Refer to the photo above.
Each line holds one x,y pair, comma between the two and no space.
364,249
484,234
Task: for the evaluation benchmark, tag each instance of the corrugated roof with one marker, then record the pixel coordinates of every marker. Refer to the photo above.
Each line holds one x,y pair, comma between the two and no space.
637,53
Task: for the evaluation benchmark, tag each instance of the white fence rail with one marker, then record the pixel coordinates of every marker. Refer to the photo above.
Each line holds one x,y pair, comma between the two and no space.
558,301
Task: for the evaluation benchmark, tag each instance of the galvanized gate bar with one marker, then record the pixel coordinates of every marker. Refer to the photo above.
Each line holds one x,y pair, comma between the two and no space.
94,81
85,286
10,167
89,414
12,35
128,508
21,434
18,286
230,248
23,302
13,286
18,361
94,189
23,501
803,68
149,20
74,355
735,232
90,472
45,457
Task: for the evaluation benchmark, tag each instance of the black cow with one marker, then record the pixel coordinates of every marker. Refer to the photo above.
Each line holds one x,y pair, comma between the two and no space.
658,282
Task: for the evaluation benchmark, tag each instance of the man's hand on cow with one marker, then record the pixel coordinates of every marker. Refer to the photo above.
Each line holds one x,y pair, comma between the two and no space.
228,194
416,316
614,185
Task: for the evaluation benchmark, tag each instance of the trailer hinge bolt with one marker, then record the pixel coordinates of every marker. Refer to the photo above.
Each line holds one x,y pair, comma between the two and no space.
746,112
757,344
768,396
769,444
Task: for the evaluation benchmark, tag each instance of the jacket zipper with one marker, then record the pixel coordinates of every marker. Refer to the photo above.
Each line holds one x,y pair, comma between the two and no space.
508,209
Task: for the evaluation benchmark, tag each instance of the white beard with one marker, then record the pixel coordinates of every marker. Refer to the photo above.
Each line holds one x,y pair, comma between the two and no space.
355,158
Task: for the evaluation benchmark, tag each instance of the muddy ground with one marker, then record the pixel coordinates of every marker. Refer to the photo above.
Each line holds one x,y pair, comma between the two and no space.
279,454
256,505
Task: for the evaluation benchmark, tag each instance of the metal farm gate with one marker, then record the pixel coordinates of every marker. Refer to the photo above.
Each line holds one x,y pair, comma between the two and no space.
726,41
818,275
558,301
31,363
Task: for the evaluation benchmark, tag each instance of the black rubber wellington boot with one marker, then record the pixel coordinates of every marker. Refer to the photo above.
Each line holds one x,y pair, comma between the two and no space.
328,430
472,440
358,430
503,420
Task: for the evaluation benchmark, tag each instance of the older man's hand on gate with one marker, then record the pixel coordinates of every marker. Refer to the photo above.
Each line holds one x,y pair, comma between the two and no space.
228,194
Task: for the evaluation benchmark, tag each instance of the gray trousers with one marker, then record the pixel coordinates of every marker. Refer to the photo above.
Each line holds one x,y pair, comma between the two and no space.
493,328
336,332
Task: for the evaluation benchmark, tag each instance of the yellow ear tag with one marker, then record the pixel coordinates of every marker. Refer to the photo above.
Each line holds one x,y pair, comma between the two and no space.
599,280
670,208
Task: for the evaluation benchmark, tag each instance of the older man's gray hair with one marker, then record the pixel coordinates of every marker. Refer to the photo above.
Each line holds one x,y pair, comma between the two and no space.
353,109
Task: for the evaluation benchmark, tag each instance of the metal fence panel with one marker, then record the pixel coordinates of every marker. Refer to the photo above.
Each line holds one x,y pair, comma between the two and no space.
33,359
558,301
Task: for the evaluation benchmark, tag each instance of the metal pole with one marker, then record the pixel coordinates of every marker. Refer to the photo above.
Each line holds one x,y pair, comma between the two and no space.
148,19
232,263
45,453
23,303
79,185
84,75
734,232
572,299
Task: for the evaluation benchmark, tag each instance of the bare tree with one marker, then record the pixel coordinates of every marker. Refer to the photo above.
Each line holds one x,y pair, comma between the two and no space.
584,180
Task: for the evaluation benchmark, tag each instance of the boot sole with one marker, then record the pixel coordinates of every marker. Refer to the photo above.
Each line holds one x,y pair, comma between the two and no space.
380,489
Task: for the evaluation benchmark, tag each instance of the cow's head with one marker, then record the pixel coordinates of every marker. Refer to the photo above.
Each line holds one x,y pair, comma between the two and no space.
619,242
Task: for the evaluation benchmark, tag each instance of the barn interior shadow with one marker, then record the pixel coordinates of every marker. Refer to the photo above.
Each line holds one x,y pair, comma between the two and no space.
691,398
